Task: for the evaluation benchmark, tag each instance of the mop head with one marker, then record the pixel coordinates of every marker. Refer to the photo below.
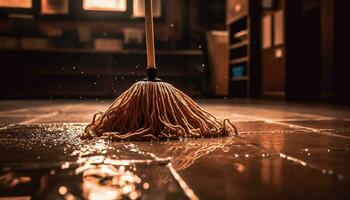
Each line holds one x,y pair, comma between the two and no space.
156,110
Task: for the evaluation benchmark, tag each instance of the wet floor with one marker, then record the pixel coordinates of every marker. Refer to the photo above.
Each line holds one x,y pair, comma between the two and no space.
289,151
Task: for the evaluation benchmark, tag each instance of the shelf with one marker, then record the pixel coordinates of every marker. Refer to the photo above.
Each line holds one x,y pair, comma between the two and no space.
106,73
240,34
68,73
238,45
70,92
126,51
241,78
235,19
239,60
243,26
142,74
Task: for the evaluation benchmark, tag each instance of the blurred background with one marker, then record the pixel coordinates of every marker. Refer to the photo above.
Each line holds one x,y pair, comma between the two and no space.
294,50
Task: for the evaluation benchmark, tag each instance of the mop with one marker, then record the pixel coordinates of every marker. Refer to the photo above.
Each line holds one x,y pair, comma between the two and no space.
154,110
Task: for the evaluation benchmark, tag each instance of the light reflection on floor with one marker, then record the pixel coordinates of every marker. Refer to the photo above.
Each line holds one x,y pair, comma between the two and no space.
282,152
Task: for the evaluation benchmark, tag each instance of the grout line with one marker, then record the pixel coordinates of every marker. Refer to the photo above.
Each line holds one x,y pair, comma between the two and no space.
30,121
51,114
279,120
13,111
296,160
39,117
305,164
314,130
186,189
302,162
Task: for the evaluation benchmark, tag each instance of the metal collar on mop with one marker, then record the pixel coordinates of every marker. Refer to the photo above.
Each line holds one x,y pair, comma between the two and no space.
152,75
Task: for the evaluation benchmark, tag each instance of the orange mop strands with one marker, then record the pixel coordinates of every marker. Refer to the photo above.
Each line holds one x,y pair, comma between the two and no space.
152,109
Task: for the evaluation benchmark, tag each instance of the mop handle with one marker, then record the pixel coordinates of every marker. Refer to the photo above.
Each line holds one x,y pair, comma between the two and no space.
151,61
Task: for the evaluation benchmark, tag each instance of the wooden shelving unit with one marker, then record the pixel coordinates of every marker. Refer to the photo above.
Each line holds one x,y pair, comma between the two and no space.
244,61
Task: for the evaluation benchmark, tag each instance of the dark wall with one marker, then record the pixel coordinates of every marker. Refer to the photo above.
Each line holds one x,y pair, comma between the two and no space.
341,51
317,43
303,50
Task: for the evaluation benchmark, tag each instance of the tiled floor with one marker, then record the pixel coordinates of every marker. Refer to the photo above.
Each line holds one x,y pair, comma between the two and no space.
284,151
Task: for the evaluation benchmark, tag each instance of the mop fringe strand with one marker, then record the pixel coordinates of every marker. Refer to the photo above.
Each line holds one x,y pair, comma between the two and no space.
156,110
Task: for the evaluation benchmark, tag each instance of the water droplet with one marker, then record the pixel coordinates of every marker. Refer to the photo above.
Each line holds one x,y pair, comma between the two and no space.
146,186
134,195
226,149
340,177
65,165
62,190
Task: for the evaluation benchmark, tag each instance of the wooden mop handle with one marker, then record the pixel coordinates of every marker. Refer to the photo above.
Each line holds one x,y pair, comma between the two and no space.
151,61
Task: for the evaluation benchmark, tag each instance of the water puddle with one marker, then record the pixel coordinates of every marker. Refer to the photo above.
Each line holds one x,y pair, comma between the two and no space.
52,162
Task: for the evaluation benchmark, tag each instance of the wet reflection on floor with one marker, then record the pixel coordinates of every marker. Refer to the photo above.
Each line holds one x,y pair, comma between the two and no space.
268,160
96,181
61,166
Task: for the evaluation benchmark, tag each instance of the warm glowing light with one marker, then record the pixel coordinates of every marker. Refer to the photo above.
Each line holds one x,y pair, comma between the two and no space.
54,7
16,3
238,7
145,186
109,182
105,5
62,190
239,167
278,53
139,8
65,165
